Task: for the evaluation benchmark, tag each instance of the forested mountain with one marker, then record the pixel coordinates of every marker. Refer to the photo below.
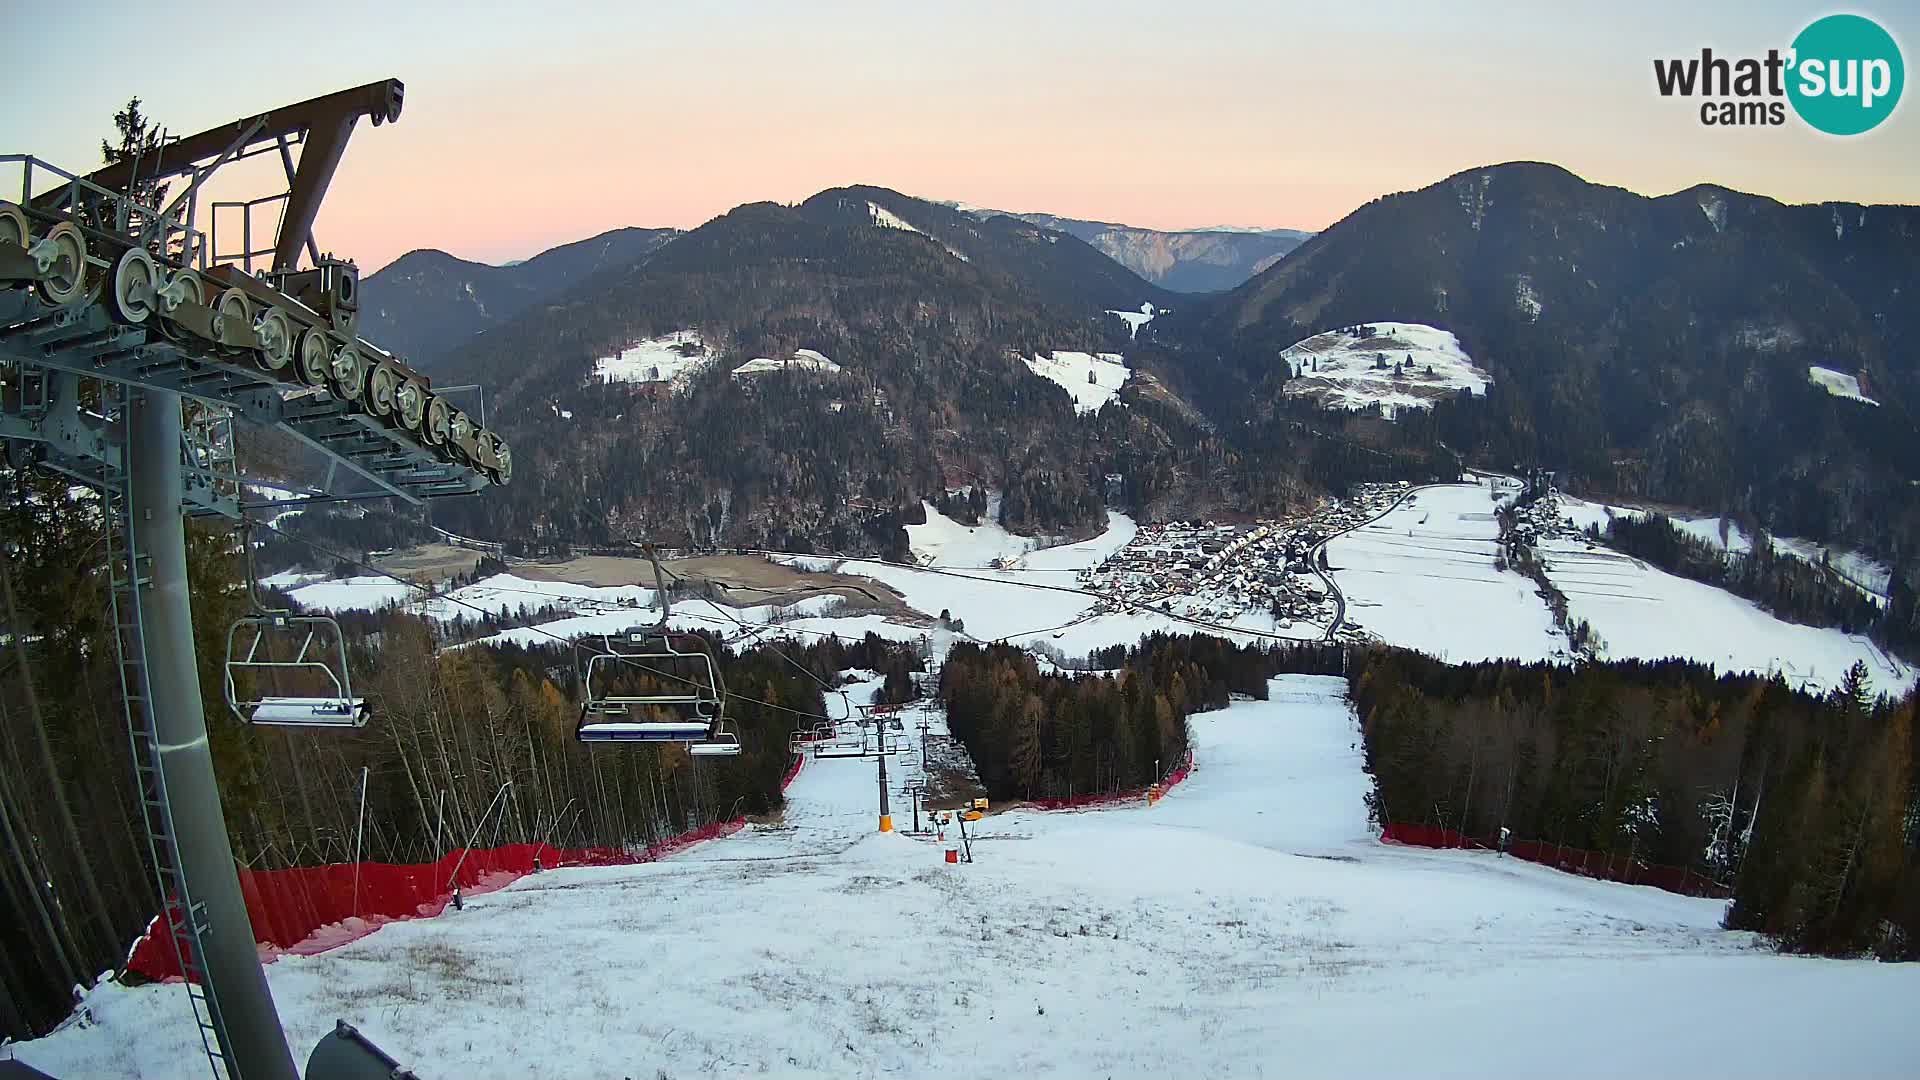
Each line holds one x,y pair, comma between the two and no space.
427,301
1053,264
1650,347
926,325
1183,260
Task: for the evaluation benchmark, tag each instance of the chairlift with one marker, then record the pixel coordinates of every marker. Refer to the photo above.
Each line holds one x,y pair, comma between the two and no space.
721,743
689,705
318,663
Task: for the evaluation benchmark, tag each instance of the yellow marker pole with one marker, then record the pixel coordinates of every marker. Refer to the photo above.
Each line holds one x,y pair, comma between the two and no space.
886,822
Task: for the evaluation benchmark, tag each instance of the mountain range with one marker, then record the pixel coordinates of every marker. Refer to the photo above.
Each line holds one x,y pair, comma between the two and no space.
1653,348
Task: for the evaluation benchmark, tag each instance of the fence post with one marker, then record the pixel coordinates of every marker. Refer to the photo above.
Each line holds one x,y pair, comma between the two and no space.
359,834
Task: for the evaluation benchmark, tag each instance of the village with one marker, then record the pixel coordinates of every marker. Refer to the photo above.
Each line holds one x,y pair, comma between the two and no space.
1220,572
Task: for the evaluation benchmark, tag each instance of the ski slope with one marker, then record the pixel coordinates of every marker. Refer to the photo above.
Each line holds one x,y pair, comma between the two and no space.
1248,925
1643,612
1091,379
1423,577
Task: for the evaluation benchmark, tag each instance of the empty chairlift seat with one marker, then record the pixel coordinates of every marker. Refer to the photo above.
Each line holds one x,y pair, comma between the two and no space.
652,686
286,670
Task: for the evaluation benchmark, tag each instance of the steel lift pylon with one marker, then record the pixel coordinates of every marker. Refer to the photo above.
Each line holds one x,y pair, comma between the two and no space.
128,345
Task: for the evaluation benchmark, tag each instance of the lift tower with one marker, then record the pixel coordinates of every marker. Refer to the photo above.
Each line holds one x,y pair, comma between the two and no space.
128,344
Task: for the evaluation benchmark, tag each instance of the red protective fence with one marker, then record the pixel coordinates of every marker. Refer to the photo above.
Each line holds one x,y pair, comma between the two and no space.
310,909
1593,864
1092,802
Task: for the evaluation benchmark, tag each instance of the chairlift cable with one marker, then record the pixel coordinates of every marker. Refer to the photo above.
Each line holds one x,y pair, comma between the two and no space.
573,644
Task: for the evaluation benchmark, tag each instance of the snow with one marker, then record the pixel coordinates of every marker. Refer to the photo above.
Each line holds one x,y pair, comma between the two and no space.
1423,577
802,360
369,593
1248,924
887,219
671,358
1091,379
1337,368
1136,319
1642,612
1838,383
1526,299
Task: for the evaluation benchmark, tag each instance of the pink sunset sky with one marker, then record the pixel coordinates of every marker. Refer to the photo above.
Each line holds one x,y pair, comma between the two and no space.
533,124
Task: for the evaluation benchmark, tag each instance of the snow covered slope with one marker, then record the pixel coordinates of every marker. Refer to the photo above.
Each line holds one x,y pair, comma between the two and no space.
1136,319
802,360
673,358
1642,612
1092,379
1353,368
1248,925
1838,383
887,219
1423,577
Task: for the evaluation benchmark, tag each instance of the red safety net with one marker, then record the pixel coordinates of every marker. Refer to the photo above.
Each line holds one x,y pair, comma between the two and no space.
310,909
1093,802
1593,864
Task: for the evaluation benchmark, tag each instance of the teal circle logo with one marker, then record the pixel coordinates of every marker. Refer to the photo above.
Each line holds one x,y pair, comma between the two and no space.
1846,74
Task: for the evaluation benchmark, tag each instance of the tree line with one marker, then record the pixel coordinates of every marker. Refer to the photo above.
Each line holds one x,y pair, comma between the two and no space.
1784,584
1045,734
1806,808
450,727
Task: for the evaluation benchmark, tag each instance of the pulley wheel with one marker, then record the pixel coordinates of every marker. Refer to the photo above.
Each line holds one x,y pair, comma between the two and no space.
460,436
347,375
135,283
183,287
312,356
13,225
439,422
66,278
381,386
234,310
410,404
276,339
502,472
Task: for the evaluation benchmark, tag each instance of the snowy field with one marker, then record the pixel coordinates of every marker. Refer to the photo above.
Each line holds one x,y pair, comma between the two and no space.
801,360
1340,370
887,219
1091,379
1643,612
1423,577
673,358
1249,925
1838,383
1872,577
1136,319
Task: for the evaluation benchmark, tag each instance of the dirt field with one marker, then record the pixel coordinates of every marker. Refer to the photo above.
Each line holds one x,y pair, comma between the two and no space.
435,562
743,580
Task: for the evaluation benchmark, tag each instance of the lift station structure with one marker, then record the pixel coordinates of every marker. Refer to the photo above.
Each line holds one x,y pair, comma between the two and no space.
129,343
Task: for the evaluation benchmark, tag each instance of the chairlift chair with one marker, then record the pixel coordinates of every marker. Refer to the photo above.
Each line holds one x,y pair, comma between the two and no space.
722,743
688,708
319,662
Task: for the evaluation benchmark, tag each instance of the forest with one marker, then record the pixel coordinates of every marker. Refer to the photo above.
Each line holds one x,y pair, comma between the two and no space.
1037,734
450,727
1806,809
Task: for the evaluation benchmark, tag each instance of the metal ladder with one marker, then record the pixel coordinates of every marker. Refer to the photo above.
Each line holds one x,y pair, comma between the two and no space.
186,919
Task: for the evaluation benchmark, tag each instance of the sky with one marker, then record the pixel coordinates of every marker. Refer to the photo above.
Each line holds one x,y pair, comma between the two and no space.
533,124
